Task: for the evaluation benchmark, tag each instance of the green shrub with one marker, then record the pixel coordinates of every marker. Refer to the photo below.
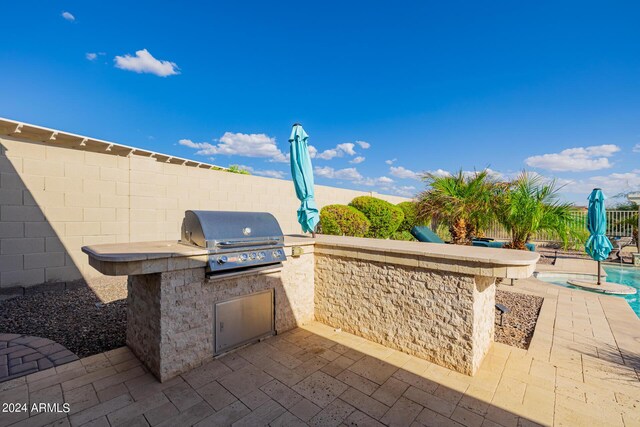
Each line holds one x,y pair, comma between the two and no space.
238,169
342,220
410,210
385,218
403,235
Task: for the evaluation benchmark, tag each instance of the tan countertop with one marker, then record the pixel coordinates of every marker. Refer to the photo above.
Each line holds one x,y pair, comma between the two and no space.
433,250
141,251
155,257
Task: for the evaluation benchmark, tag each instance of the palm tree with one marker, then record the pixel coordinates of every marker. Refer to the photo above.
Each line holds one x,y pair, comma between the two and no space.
462,201
529,205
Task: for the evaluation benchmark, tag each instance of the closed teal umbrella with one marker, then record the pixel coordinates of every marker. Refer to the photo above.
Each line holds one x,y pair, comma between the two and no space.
302,174
598,245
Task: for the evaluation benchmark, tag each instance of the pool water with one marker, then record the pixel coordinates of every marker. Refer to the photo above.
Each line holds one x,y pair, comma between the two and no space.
629,276
626,276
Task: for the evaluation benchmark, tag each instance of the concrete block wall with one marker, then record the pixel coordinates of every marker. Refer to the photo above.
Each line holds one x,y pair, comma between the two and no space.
54,200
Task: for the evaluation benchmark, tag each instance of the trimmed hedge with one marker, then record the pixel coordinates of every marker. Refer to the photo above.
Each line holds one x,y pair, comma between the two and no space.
410,210
342,220
385,218
403,235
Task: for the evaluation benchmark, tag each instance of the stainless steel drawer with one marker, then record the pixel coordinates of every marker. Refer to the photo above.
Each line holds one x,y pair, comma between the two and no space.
244,319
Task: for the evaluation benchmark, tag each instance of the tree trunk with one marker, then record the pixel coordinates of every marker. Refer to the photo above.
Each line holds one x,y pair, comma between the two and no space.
517,242
458,232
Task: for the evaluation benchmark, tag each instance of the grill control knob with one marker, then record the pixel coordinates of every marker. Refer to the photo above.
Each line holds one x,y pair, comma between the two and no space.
253,255
277,254
244,257
261,255
222,260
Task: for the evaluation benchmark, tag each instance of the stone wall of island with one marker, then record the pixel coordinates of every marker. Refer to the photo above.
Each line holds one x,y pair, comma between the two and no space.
441,310
433,301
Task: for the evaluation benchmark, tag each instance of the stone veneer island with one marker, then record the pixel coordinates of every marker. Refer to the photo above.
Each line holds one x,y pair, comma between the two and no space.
433,301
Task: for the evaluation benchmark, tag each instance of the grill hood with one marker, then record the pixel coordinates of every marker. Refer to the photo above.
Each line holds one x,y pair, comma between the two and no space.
221,230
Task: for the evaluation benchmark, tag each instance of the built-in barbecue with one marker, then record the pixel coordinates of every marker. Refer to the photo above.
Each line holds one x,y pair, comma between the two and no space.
236,241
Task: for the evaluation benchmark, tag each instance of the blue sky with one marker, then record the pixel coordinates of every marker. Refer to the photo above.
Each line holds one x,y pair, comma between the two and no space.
553,87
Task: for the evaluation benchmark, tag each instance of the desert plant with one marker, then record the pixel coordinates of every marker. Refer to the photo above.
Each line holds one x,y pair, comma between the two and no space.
342,220
462,201
385,218
529,205
410,210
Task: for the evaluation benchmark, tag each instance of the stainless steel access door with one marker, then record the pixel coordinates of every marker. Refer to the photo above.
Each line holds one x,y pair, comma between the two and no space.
244,319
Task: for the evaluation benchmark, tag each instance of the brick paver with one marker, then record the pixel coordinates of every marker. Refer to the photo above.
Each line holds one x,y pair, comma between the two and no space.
23,354
581,369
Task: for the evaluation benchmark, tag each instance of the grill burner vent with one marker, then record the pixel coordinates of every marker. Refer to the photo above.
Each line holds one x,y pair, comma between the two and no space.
235,240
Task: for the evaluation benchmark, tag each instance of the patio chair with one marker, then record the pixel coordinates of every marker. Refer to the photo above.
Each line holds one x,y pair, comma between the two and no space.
619,243
425,234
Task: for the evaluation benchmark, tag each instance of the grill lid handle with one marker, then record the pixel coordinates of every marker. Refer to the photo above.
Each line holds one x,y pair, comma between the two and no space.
235,243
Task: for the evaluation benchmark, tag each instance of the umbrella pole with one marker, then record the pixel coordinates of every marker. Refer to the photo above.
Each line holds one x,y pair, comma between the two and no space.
598,273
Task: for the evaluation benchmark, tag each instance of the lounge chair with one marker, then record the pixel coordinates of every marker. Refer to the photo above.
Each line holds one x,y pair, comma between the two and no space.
425,234
619,243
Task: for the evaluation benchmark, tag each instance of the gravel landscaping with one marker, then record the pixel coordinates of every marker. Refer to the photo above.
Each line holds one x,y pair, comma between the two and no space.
86,320
520,322
91,320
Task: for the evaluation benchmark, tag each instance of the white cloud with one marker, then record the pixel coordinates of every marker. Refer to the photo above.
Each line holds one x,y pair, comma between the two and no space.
391,161
269,173
68,16
92,56
468,174
327,154
404,190
352,174
357,160
313,151
349,174
577,159
383,183
440,172
611,184
636,148
402,172
189,143
240,144
347,148
144,62
495,174
339,151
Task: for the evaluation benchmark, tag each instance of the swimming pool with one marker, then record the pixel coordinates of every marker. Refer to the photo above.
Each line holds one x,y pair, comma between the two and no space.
626,276
629,276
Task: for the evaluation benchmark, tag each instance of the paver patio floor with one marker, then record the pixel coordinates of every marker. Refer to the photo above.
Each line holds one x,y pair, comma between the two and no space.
22,355
581,369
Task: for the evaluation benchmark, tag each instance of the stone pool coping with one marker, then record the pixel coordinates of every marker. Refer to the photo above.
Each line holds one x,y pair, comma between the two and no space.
604,287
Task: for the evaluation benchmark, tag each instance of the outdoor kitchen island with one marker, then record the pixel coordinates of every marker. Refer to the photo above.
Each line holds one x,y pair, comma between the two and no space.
432,301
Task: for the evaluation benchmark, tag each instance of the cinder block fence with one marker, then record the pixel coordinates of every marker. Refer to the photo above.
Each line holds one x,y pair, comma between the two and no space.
59,192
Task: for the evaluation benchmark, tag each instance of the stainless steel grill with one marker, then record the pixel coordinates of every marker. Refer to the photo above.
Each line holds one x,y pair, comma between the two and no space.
236,241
